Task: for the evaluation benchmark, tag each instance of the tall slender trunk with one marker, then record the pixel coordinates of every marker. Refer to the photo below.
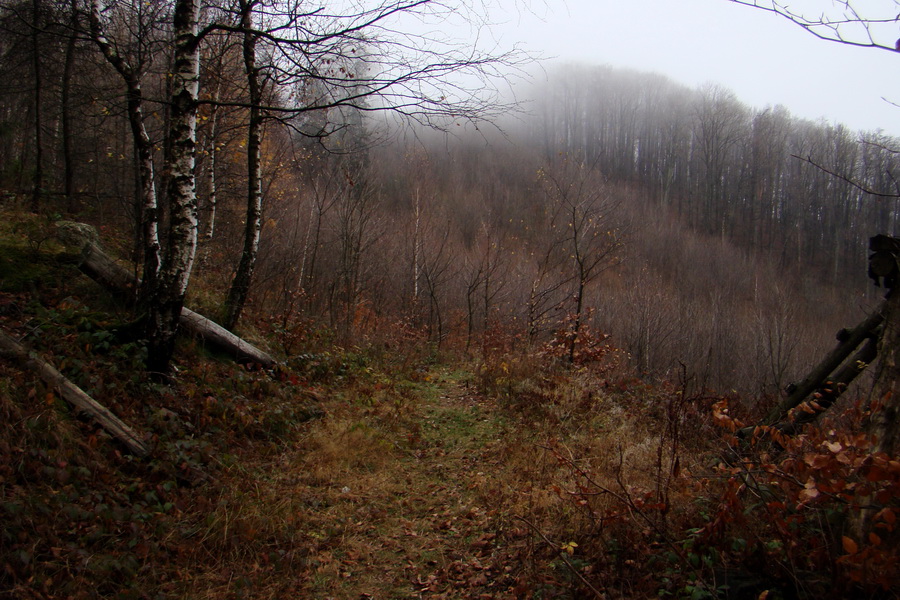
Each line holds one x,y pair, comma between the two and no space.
416,250
211,145
211,169
488,271
66,112
147,179
579,309
301,278
168,299
38,176
470,313
322,202
143,149
240,286
531,325
434,310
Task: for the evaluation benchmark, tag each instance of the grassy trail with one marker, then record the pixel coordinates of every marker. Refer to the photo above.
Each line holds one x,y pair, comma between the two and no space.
389,498
417,521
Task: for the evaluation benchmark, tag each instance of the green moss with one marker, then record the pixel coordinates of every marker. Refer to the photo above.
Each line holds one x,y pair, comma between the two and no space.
21,271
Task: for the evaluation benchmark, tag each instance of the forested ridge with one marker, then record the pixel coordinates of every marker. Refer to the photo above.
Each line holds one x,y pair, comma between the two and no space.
511,349
811,192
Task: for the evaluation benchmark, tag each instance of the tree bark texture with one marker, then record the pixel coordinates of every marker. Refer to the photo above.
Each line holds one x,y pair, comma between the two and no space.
849,341
147,178
884,267
886,393
74,395
164,310
831,389
143,147
240,286
212,142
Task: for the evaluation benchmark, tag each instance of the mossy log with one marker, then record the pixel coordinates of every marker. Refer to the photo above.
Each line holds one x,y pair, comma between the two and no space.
73,394
104,270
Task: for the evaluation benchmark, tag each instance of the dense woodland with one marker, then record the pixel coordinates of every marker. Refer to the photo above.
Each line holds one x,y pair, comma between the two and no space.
731,239
675,236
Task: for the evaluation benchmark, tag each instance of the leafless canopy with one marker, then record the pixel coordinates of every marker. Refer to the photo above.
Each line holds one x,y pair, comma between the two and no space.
865,24
374,56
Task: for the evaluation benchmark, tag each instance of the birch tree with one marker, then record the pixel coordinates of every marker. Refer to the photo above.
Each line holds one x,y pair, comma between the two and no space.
168,296
240,286
129,57
325,69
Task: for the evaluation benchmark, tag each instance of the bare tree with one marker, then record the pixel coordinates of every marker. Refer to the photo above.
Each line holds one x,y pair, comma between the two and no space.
328,63
324,190
339,66
216,66
178,259
586,218
240,285
854,23
38,177
437,270
66,104
130,58
356,231
651,320
484,268
549,277
719,119
874,26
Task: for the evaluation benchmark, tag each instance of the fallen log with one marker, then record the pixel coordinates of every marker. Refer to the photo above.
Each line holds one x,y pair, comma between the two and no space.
104,270
219,337
74,395
108,273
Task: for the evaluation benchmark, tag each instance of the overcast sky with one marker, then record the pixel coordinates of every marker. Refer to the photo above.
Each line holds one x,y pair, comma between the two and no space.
763,58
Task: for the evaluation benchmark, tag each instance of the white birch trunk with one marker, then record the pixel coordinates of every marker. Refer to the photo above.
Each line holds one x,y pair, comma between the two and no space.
143,150
165,307
240,286
211,169
183,142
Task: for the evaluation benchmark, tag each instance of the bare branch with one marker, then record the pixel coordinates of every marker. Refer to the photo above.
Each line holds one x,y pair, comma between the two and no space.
850,26
845,179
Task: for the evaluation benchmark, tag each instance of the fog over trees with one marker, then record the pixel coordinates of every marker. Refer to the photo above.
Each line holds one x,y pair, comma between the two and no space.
268,266
696,232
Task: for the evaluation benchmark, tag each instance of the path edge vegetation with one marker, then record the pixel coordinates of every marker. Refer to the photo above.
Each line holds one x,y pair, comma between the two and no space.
608,484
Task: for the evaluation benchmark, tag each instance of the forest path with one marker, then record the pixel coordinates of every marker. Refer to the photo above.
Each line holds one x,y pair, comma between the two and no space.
400,495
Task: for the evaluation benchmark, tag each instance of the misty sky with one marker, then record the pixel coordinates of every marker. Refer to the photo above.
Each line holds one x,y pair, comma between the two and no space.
763,58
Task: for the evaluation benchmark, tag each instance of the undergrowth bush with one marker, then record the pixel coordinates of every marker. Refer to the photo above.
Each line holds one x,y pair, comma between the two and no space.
80,517
816,511
648,498
811,515
550,380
